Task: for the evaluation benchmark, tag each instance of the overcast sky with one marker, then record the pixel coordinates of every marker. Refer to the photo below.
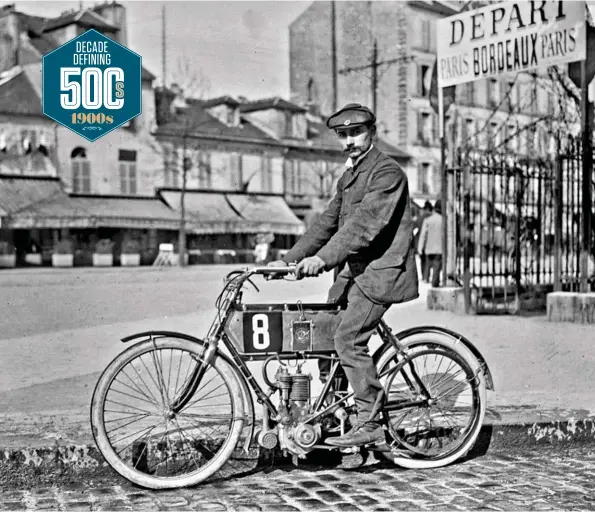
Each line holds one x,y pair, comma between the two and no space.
241,47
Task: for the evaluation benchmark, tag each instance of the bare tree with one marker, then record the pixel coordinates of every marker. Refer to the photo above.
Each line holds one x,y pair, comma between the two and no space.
182,121
193,81
323,177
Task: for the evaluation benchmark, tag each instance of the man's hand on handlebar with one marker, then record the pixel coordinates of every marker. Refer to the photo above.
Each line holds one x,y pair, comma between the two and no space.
311,266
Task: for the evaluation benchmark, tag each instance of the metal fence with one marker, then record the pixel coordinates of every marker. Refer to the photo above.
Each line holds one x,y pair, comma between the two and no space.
518,227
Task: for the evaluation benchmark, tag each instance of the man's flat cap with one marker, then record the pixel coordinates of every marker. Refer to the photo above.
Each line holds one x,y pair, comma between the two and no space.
352,114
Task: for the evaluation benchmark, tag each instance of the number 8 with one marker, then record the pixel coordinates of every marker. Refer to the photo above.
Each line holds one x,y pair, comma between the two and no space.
260,328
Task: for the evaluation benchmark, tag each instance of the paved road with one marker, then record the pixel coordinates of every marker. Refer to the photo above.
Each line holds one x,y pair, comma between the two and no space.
537,481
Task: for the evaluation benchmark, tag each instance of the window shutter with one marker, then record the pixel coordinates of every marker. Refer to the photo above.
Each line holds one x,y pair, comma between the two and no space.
122,167
75,176
132,182
86,176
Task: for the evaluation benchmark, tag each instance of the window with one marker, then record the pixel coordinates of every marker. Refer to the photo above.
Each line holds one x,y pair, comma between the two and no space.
550,106
424,178
511,94
425,33
266,176
29,139
205,170
425,129
288,124
127,165
511,137
81,171
292,176
493,96
231,116
468,130
493,139
424,80
311,90
468,93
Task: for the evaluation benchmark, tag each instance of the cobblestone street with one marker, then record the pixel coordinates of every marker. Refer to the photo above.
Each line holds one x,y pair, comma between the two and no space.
543,480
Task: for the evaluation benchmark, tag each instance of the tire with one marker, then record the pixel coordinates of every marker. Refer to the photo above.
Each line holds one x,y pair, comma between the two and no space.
144,459
437,345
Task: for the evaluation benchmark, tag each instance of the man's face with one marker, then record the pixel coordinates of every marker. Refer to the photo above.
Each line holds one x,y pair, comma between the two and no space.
355,140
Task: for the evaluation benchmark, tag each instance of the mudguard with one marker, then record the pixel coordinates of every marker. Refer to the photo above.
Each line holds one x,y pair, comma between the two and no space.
401,336
248,401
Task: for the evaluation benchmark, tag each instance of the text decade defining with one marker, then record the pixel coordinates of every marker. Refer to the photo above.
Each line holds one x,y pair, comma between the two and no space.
509,37
91,53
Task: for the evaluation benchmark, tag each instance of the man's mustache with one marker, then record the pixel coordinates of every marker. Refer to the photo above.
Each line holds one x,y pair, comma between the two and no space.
350,149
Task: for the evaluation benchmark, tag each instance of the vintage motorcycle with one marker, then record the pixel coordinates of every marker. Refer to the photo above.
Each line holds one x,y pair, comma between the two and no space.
169,411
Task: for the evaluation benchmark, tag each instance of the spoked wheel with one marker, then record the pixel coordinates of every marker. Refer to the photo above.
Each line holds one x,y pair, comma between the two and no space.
436,402
162,419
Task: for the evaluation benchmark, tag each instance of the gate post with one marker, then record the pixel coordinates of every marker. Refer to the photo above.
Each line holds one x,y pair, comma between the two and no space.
558,218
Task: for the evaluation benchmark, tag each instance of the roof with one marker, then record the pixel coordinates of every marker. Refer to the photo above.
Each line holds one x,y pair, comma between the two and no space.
19,95
267,103
221,100
85,18
18,192
224,212
197,121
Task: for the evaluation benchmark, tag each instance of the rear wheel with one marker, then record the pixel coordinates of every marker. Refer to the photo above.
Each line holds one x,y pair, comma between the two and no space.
436,401
138,428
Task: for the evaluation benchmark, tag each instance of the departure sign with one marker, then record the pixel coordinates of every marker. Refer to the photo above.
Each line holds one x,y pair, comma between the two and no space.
509,37
92,85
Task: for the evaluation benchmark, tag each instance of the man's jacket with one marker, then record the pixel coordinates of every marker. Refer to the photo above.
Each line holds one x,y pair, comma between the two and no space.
430,238
368,224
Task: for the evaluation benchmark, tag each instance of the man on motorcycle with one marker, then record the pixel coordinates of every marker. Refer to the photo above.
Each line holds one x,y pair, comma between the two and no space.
368,225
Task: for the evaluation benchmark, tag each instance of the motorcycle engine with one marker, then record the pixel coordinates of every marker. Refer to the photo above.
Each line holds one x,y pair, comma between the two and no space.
294,435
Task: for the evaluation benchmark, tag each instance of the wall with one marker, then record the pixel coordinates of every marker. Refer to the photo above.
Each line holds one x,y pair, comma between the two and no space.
310,51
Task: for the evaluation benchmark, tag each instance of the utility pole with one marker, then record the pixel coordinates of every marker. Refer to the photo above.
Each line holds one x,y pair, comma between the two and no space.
163,49
375,76
182,231
375,67
334,53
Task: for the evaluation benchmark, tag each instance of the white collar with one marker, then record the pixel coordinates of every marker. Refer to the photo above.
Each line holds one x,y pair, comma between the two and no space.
350,164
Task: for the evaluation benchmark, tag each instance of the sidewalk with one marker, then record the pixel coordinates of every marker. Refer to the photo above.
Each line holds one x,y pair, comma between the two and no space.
542,374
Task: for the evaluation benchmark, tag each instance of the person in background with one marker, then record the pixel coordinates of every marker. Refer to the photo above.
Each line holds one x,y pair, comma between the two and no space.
430,243
426,212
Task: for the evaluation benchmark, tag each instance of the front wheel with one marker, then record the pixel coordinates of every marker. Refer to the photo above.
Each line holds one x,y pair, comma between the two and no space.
163,420
436,402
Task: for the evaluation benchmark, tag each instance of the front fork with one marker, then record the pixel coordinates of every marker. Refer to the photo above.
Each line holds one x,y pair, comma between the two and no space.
187,392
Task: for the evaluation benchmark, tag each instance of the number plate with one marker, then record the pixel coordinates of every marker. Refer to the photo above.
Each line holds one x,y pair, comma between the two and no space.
301,335
263,332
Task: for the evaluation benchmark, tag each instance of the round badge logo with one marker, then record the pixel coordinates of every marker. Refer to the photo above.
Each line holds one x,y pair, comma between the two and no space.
92,85
347,123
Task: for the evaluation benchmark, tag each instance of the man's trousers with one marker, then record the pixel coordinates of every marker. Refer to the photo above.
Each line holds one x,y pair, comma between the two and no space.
358,323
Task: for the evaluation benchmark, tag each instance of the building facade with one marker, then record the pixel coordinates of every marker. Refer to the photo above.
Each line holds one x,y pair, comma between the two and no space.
331,63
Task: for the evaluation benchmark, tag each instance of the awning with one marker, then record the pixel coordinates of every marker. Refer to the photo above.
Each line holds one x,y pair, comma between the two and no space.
222,212
17,192
63,211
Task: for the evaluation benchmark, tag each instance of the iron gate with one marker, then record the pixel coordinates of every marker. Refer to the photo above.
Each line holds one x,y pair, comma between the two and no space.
517,224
